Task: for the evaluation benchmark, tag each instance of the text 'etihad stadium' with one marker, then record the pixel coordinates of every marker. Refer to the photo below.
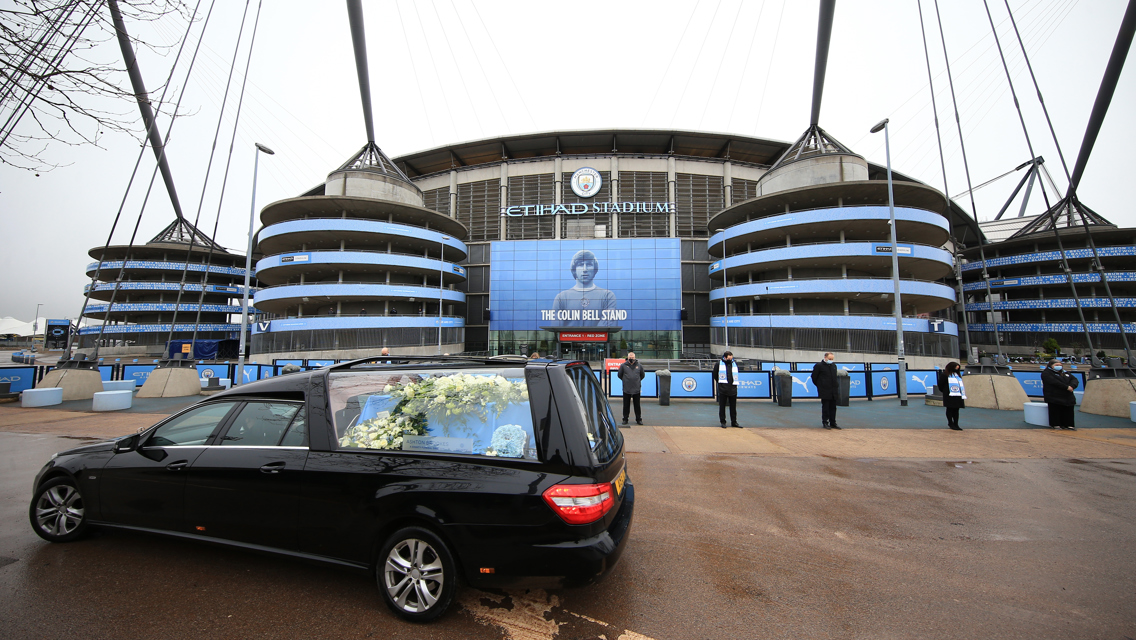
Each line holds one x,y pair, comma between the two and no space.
594,207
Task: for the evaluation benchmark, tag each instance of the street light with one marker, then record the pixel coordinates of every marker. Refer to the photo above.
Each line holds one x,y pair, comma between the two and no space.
725,293
35,327
441,288
901,376
248,263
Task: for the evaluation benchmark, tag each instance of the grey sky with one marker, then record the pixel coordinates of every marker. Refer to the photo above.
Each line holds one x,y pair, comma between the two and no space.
446,71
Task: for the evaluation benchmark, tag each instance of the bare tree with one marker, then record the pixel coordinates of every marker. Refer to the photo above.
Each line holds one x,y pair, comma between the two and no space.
59,84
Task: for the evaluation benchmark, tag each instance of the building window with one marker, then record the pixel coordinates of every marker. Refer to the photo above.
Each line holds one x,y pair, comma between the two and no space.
534,189
479,209
437,200
698,197
742,190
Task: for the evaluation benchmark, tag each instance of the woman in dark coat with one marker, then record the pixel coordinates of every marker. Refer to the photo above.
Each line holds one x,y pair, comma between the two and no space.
951,386
1057,386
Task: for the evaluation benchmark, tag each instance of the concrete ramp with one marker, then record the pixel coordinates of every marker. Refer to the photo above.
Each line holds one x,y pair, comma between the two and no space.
77,384
171,382
1108,396
989,391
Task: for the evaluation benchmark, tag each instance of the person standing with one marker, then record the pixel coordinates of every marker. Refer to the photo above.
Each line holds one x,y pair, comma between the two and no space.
631,374
954,393
824,377
1057,386
726,373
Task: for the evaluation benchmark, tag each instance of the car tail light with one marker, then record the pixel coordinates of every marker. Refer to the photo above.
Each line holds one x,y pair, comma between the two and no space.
580,503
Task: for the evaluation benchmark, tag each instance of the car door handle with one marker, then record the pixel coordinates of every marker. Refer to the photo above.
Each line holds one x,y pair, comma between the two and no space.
177,466
272,467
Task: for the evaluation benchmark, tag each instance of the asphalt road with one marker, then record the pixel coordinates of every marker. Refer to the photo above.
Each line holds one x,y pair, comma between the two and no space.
723,546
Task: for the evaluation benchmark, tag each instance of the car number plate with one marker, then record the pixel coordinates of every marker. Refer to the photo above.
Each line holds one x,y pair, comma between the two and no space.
619,480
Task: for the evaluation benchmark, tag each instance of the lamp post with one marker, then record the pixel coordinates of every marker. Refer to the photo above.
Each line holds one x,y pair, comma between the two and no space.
901,375
248,263
35,326
441,286
725,293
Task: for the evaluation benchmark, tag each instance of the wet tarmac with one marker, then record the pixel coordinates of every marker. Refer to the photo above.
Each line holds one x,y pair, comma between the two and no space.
800,545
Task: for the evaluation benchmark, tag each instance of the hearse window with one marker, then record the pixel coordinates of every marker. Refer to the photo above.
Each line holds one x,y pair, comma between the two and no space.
192,427
471,411
603,434
260,424
297,435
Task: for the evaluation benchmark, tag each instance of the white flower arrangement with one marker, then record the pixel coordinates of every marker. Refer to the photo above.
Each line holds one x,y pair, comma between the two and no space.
384,431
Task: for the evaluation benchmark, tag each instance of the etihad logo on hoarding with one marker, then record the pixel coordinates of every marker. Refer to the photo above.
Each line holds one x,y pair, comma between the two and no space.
580,208
586,182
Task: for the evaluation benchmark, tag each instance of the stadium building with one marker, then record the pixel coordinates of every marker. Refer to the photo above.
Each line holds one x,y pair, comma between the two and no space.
590,243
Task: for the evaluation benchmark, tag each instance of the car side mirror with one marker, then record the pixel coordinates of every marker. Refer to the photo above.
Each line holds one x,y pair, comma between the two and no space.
129,443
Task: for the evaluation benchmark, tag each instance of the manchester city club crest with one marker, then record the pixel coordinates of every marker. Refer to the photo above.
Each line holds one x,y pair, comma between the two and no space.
586,182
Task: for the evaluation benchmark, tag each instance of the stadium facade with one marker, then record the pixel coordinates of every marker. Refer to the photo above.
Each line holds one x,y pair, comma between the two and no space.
590,243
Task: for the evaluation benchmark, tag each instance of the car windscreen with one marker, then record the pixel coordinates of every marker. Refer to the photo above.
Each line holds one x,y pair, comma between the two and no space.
603,435
468,411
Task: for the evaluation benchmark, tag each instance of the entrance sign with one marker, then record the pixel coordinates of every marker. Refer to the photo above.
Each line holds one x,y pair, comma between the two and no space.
583,336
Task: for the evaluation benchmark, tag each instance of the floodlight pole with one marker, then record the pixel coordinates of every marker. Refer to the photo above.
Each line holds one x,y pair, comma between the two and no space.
901,375
248,264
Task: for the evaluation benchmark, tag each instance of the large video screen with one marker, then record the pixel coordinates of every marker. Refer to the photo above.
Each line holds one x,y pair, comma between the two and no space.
634,285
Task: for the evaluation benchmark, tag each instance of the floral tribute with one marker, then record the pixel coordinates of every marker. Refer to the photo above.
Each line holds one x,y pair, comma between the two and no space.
450,401
508,441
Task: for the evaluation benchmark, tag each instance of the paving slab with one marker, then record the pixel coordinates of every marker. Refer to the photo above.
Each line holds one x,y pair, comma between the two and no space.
642,440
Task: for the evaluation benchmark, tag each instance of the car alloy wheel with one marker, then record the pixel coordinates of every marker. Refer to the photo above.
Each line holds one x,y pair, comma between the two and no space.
58,513
416,574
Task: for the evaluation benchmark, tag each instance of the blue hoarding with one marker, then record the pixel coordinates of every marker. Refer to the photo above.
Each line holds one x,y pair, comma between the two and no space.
1031,382
692,384
753,385
857,385
883,383
921,380
803,386
19,378
212,371
632,284
137,372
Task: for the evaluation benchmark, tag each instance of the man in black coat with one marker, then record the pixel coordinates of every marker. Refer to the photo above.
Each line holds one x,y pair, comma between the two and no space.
631,375
824,377
1057,386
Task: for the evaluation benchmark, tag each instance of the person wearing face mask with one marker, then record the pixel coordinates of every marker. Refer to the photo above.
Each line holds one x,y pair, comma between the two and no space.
824,378
1057,386
954,393
631,375
726,373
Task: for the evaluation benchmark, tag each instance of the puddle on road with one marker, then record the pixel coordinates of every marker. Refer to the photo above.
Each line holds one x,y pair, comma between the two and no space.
528,615
961,464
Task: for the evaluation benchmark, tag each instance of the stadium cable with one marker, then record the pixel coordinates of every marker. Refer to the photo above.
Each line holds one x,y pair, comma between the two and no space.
225,177
966,168
434,63
37,85
729,39
153,175
1056,233
1072,191
50,30
208,171
693,67
506,67
986,99
959,58
417,80
130,183
674,54
769,69
480,66
457,67
741,78
943,164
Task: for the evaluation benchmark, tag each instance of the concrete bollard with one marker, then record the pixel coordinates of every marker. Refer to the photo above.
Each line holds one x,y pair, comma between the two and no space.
42,397
112,400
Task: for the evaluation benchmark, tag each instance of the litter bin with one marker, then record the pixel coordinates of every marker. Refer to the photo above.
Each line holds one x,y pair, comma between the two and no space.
783,386
843,387
664,379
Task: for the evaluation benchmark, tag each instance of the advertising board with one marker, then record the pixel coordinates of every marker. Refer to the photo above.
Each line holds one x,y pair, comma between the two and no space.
633,285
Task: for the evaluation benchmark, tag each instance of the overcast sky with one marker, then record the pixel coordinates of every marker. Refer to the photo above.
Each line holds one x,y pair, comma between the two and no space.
447,71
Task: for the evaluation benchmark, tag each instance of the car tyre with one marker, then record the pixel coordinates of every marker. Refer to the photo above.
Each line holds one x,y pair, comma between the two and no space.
416,574
58,511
